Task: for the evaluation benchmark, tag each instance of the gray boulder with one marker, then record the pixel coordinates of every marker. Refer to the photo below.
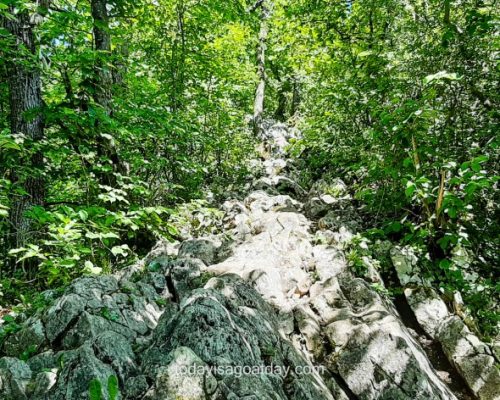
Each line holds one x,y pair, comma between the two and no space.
14,378
209,250
472,358
279,185
228,325
371,348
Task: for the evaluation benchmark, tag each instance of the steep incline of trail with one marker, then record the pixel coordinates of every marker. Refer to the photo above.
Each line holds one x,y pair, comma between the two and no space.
268,309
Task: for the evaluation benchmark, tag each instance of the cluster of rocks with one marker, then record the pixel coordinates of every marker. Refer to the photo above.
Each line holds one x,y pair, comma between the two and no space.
263,311
473,359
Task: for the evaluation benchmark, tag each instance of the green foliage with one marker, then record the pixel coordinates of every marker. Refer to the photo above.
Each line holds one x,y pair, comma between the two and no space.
89,239
403,105
178,127
8,327
202,279
198,218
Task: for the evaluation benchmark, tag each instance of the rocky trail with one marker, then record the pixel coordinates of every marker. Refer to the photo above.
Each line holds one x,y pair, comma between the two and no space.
274,294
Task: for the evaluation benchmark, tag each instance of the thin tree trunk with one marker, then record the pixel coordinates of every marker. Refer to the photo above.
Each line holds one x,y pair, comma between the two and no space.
446,18
178,58
25,96
258,109
102,42
103,83
295,97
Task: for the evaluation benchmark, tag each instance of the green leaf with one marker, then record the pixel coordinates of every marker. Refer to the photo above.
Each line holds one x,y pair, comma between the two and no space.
365,53
480,159
172,230
110,235
407,162
410,189
441,75
83,215
113,387
444,264
120,250
91,269
6,143
444,242
95,390
17,251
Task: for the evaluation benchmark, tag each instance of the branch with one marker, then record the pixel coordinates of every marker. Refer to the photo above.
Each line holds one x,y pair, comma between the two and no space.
257,4
59,203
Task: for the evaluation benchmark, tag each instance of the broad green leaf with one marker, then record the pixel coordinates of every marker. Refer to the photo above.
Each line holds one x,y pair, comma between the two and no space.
95,390
442,75
91,269
113,389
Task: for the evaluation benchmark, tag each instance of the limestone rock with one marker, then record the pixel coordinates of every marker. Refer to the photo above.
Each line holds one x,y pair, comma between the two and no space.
44,381
341,218
332,186
316,208
80,368
279,185
185,377
473,358
274,167
116,349
405,262
42,362
62,314
372,350
274,295
227,324
14,378
309,326
259,201
204,249
429,309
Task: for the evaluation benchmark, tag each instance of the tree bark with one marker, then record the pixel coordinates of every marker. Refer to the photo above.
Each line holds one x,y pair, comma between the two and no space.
103,84
102,43
258,109
25,97
446,18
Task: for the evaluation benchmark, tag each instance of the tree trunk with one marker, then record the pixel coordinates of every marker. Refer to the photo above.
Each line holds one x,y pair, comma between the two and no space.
25,96
258,109
446,18
102,85
178,59
102,43
295,97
